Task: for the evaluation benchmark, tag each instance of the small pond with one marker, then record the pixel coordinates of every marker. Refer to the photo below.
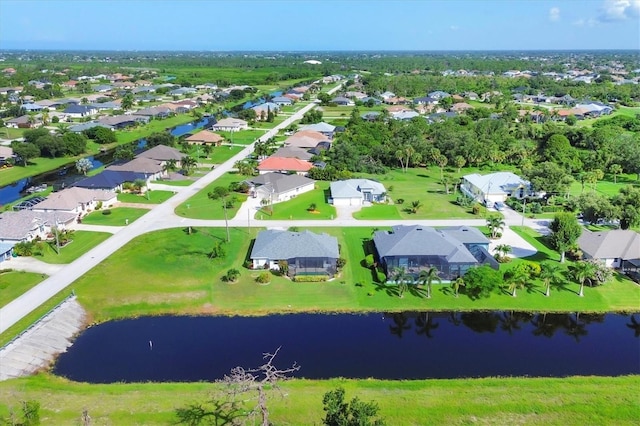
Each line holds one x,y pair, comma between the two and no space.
386,346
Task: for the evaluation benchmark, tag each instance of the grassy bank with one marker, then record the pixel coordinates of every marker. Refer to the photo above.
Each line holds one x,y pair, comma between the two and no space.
201,291
505,401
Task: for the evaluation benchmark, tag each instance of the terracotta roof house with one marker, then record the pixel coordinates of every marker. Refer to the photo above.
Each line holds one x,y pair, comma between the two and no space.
284,165
306,253
356,192
230,125
616,248
25,225
453,251
278,187
76,200
494,187
306,139
205,137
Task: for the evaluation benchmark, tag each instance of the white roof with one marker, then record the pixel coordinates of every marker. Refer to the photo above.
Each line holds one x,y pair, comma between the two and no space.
319,127
496,183
352,188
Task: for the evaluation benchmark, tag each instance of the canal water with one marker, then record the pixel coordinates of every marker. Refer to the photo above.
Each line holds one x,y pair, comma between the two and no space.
67,175
386,346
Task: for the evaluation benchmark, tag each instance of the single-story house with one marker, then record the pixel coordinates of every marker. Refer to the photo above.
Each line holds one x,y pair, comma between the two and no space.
322,127
371,115
342,101
282,101
76,200
306,253
6,154
356,192
617,248
122,121
24,122
262,110
6,250
230,125
79,128
306,139
205,137
404,115
152,169
415,248
387,95
438,94
369,99
158,112
111,180
78,111
494,187
461,107
25,225
32,107
293,152
163,154
278,187
425,100
284,165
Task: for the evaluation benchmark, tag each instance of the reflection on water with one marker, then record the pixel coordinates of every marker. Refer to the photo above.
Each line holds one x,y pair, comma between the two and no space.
409,345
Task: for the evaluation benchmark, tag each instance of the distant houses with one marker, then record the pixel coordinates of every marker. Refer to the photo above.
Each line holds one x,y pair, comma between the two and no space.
230,125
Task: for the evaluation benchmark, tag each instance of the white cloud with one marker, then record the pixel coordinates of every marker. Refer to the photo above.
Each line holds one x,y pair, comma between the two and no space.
554,14
585,22
619,10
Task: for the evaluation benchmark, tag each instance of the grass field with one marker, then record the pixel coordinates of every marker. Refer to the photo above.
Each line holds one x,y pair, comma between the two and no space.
126,136
201,207
185,182
417,184
82,242
104,293
150,197
244,137
490,401
605,187
15,283
298,207
118,216
219,154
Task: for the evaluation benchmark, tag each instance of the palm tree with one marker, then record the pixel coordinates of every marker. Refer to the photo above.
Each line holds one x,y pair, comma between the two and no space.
503,249
615,170
581,272
459,282
415,206
495,224
427,276
516,278
188,163
441,161
550,273
400,277
170,166
62,129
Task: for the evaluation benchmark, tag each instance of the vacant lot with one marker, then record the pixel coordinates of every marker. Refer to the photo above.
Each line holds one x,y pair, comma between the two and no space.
149,197
14,283
118,216
81,242
200,206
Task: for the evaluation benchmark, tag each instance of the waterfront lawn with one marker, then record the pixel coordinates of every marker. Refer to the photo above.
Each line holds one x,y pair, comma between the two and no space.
162,257
298,207
150,197
531,401
35,167
153,126
15,283
81,242
201,207
118,216
243,137
417,184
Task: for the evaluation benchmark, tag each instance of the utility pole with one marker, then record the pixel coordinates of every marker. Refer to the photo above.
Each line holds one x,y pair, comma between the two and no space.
226,220
55,219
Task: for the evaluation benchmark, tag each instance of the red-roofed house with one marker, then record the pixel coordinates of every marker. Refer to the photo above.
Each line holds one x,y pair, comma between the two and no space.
284,165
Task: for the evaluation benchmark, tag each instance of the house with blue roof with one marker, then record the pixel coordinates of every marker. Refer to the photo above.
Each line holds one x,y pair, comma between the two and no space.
79,111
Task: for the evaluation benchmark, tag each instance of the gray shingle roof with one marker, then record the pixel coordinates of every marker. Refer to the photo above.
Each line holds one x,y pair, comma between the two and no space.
71,198
615,244
352,188
276,245
281,182
162,153
419,240
17,225
293,152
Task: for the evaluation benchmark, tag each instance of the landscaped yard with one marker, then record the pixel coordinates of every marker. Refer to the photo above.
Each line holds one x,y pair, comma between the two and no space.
490,401
220,154
200,206
184,182
149,197
243,137
81,242
117,217
298,208
417,184
15,283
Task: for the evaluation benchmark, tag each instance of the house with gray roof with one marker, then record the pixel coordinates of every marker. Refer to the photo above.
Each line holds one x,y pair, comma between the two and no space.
121,121
306,253
617,248
278,187
78,111
282,101
151,169
415,248
356,192
162,153
112,180
81,127
293,152
499,186
322,127
76,200
26,225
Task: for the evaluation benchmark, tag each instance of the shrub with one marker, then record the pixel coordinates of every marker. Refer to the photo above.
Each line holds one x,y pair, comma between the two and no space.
381,277
533,269
400,201
310,278
98,205
536,208
106,212
248,264
475,209
341,262
368,261
232,275
263,278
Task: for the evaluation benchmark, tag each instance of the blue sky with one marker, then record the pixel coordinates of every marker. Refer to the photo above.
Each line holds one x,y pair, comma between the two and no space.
320,25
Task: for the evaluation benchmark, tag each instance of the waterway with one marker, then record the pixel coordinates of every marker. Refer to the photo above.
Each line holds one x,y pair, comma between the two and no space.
67,175
386,346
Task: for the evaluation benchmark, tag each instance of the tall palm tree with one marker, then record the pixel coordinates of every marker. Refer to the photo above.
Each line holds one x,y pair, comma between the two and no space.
495,224
459,282
503,249
550,273
428,276
581,272
188,163
516,278
400,277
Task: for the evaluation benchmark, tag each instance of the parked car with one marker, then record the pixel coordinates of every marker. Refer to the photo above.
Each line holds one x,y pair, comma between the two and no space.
498,205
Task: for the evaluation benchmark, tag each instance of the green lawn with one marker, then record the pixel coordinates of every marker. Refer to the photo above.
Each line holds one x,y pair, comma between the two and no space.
11,133
605,187
244,137
185,182
417,184
82,242
15,283
490,401
150,197
126,136
298,207
220,154
201,207
117,217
